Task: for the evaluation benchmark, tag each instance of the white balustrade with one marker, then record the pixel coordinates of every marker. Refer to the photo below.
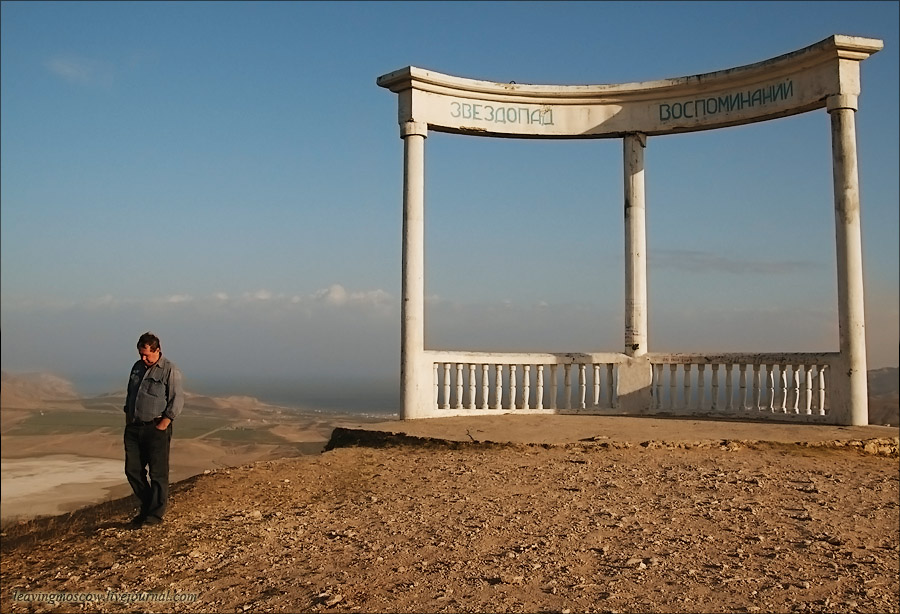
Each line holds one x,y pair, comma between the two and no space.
761,385
519,382
791,384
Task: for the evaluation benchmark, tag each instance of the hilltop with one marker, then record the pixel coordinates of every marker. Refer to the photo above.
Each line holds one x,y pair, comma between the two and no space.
418,525
402,523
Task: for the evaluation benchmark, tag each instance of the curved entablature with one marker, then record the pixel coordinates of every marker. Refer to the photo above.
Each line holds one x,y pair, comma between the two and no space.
785,85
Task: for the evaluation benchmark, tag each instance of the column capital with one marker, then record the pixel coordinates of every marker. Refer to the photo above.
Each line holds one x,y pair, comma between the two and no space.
842,101
640,137
411,128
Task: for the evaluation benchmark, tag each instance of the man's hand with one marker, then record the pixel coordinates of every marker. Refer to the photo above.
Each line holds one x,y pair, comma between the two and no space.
162,423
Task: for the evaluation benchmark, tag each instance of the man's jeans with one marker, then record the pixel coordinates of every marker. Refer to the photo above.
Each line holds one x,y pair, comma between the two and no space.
147,453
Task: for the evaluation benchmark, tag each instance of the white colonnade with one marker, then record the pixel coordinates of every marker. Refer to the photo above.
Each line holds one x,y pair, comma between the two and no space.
823,75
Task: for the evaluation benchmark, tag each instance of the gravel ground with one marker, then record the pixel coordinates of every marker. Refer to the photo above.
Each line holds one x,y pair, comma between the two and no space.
456,527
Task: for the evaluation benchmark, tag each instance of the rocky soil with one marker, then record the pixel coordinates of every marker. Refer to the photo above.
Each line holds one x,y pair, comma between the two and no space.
412,526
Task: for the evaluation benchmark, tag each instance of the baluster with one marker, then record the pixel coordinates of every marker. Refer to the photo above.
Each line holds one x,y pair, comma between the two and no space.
582,387
459,385
611,386
687,385
526,386
554,385
657,386
512,386
807,402
485,386
436,384
567,385
729,401
498,387
756,388
796,374
472,385
596,385
784,388
789,386
540,387
821,378
673,393
446,399
792,375
743,387
770,387
701,386
714,405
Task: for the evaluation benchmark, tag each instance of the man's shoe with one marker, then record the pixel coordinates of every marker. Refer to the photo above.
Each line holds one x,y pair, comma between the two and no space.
138,520
152,520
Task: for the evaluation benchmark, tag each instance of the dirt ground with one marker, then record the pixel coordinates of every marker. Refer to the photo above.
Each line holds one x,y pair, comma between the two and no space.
395,523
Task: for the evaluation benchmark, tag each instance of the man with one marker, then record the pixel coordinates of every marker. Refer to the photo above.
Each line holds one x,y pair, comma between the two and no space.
154,400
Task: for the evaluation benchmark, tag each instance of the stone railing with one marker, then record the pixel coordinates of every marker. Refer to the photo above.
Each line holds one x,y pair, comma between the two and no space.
487,382
787,386
781,385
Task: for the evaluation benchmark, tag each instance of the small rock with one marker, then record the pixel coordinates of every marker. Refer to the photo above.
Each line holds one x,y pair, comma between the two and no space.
636,562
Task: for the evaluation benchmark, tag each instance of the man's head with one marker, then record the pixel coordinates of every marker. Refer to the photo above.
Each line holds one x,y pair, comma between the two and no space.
148,349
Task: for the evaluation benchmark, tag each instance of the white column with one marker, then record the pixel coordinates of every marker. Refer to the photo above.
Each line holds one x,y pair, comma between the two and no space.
414,373
635,247
854,408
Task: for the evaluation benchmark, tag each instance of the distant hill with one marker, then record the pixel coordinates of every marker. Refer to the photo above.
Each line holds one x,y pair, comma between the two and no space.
884,381
40,391
34,390
884,396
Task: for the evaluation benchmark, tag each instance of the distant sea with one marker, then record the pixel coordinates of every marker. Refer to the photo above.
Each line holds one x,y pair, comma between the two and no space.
368,397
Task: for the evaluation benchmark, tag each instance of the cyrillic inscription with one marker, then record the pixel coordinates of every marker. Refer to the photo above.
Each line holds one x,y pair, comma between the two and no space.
704,107
501,115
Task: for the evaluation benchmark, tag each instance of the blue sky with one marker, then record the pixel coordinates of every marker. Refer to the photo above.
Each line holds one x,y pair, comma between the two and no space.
228,175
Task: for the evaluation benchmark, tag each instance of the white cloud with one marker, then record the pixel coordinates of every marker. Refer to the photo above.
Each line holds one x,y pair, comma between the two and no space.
107,300
338,296
81,71
371,297
259,295
334,295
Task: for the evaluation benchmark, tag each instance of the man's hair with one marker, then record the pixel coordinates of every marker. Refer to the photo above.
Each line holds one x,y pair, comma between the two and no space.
150,340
